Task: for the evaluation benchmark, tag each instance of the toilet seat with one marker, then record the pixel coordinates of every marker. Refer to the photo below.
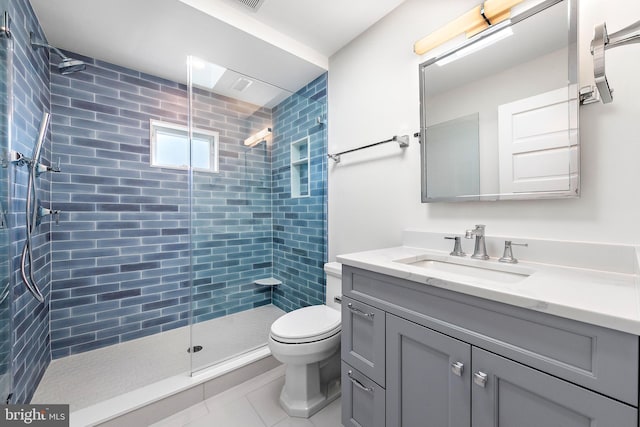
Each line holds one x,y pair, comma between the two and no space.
308,324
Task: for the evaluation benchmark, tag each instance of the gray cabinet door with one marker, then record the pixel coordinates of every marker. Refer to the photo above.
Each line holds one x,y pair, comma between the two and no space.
363,338
428,377
362,400
514,395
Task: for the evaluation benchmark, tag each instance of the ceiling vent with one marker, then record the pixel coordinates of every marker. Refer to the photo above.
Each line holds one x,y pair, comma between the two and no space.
254,5
241,84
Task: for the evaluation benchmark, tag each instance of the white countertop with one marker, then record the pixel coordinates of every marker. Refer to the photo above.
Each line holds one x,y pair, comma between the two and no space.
603,298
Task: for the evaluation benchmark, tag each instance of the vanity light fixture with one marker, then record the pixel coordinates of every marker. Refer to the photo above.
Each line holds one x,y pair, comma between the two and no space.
481,44
257,137
471,23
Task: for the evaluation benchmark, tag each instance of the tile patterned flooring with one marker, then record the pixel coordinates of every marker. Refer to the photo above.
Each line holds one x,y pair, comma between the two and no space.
251,404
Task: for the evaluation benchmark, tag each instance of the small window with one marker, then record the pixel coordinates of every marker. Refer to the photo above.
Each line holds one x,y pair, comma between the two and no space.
170,147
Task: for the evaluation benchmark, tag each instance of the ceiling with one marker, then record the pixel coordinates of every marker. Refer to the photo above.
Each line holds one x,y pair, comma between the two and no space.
285,42
326,25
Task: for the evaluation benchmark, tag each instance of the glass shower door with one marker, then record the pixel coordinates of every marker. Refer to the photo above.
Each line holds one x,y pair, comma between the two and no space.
258,208
231,227
5,282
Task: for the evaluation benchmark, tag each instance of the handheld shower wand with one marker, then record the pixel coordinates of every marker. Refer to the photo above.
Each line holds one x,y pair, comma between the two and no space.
32,214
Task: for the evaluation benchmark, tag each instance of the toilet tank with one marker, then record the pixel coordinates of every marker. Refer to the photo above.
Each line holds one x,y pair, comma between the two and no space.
333,273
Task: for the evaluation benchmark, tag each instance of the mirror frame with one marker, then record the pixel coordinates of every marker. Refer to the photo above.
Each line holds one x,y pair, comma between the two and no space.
572,79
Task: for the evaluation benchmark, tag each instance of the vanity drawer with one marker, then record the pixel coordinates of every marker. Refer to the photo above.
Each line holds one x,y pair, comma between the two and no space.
363,401
600,359
363,338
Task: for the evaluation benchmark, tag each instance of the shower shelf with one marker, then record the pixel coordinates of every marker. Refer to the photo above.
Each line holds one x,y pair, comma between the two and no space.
269,281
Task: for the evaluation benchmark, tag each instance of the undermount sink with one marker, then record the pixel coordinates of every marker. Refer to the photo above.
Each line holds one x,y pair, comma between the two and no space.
506,274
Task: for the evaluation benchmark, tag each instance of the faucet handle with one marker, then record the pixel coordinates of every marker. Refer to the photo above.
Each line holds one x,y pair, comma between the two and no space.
507,256
457,246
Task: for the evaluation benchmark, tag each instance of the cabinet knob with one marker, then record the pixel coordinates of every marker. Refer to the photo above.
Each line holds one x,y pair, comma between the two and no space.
480,379
457,368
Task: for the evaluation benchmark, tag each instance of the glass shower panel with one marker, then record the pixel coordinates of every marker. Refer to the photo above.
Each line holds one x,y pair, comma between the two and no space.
232,217
5,282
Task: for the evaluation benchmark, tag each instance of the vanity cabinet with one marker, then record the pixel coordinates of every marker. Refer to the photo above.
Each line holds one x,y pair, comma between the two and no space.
428,377
366,400
363,338
516,395
456,360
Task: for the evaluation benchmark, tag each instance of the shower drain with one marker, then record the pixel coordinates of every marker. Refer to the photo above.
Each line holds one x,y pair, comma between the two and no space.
194,349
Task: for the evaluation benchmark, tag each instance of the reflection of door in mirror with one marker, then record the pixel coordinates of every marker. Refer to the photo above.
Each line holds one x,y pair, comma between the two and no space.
537,143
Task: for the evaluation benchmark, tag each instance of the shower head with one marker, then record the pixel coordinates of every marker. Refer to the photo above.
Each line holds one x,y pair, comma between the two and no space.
68,65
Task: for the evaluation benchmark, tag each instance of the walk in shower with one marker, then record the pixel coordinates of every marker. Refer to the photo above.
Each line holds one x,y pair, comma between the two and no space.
190,217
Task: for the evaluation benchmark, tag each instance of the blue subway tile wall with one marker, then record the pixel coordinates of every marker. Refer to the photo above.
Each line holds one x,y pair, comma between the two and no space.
30,98
231,212
121,255
300,223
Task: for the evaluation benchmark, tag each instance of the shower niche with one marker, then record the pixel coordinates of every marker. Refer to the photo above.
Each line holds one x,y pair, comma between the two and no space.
300,166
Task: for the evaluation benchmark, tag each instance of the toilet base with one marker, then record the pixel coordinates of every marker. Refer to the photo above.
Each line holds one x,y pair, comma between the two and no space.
307,390
305,409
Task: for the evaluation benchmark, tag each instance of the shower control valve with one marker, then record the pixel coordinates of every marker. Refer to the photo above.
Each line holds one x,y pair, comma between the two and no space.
40,168
42,212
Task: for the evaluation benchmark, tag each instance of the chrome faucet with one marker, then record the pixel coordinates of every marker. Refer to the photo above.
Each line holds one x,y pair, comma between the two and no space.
480,249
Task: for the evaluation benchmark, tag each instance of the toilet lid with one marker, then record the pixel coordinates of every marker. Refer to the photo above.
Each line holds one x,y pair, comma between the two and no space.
306,324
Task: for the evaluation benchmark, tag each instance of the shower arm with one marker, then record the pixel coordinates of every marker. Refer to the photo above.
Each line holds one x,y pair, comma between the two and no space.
35,42
602,41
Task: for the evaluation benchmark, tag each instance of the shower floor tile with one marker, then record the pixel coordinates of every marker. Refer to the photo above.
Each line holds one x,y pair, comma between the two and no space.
88,378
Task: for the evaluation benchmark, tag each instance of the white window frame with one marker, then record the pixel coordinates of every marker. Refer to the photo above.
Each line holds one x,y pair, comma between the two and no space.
212,136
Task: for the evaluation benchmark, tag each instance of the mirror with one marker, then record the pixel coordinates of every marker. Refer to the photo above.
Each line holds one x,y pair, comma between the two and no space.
499,114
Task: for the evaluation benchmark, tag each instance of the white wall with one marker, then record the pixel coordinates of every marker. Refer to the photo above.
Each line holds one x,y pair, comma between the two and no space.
373,94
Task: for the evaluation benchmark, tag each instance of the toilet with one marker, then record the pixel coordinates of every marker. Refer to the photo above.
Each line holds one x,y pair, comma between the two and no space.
307,342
